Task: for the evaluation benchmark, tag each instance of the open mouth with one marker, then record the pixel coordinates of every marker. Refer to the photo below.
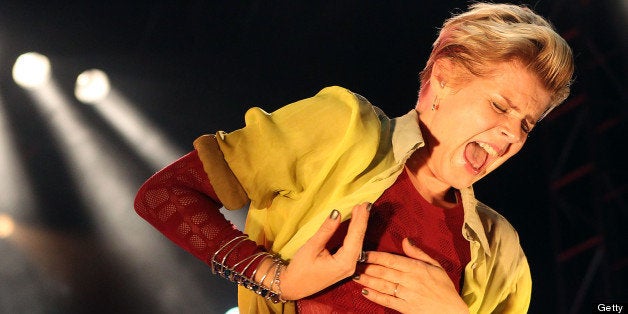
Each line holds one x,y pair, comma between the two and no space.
477,153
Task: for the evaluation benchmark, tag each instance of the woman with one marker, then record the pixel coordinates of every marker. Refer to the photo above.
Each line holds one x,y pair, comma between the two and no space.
419,241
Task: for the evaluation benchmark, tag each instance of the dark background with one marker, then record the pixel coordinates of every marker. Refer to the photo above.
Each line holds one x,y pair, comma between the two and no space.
194,67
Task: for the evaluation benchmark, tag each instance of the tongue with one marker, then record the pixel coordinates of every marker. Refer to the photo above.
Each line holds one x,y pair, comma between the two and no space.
476,155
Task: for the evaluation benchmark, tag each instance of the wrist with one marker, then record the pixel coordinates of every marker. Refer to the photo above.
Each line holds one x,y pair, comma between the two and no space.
266,270
263,271
276,284
269,275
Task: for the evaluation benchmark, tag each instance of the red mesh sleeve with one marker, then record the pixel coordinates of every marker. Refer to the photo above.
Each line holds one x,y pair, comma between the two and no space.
180,202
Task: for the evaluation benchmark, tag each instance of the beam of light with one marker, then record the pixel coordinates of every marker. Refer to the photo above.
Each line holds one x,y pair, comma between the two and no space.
107,188
145,138
31,70
17,196
93,161
92,86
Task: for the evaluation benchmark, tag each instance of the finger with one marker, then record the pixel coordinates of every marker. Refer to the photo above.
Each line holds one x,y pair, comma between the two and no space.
403,263
384,299
318,241
352,244
383,273
410,249
375,283
391,261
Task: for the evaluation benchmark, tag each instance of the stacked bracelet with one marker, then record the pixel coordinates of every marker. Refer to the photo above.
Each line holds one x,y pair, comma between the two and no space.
280,265
239,277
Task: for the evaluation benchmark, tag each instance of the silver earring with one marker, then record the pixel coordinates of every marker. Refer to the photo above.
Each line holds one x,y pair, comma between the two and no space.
435,104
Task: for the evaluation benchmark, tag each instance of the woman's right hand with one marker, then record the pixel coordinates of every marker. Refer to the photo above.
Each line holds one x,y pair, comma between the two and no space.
313,268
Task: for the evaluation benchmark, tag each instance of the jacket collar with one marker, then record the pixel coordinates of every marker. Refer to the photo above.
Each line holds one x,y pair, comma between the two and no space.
406,137
473,229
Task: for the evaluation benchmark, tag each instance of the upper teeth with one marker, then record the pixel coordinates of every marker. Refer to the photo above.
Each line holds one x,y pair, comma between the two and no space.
489,149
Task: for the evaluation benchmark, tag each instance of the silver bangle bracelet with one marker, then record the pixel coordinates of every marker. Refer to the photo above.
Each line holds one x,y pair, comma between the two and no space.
239,277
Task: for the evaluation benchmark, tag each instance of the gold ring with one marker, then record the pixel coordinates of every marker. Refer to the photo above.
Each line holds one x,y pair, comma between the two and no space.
395,292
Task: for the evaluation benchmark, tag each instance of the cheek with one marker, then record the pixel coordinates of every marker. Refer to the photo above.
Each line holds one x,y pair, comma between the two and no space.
514,149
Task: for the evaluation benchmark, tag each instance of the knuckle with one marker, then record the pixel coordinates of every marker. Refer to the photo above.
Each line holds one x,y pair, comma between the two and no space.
347,270
327,227
350,271
372,270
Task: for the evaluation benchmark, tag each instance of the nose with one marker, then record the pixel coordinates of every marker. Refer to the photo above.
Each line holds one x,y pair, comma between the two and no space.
511,130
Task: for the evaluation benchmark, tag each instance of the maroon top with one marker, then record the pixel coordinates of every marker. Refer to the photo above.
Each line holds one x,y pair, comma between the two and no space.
401,212
180,202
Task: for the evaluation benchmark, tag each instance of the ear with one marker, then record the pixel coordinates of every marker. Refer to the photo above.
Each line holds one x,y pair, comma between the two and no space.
441,75
442,72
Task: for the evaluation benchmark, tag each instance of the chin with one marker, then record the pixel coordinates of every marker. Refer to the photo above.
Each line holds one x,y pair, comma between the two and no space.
468,178
462,183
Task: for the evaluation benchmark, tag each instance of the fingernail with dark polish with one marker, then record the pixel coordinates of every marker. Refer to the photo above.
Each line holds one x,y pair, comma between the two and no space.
334,214
365,292
363,257
369,206
356,277
411,242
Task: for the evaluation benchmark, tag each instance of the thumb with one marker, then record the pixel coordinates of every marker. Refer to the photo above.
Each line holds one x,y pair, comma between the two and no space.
410,249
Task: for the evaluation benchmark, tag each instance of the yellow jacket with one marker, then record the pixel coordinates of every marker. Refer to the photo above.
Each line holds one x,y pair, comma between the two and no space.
332,151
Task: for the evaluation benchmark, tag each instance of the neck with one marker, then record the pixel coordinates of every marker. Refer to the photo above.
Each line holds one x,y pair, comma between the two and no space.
429,186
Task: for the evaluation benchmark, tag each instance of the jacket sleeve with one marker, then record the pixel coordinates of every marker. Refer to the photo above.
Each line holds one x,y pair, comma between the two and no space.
295,147
519,295
302,160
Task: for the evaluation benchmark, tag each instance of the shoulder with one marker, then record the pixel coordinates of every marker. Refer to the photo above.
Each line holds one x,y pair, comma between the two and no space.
501,235
332,102
505,247
331,116
510,279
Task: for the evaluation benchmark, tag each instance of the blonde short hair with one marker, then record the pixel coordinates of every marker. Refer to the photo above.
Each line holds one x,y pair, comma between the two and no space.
489,33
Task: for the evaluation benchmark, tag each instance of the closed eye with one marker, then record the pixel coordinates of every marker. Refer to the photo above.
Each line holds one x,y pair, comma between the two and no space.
526,127
499,108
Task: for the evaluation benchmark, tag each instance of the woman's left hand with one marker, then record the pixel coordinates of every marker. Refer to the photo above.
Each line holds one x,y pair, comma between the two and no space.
413,284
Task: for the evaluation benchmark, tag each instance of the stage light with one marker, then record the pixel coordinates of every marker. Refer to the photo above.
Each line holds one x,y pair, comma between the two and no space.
92,86
7,226
233,310
31,70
